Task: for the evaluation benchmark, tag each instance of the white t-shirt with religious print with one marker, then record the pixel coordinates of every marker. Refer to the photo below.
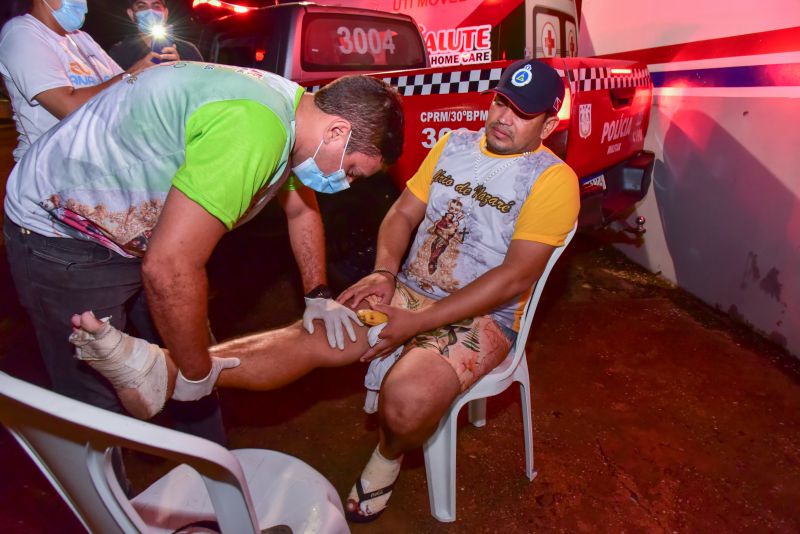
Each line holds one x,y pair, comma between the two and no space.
221,135
477,202
33,59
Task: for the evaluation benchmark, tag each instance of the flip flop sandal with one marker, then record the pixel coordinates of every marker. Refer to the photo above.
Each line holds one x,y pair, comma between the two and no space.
356,516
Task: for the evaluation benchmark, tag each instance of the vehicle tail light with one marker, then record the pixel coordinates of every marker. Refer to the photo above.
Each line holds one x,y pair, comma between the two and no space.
557,141
224,5
566,107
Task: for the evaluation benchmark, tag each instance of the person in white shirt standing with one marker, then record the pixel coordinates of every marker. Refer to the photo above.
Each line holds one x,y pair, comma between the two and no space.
50,67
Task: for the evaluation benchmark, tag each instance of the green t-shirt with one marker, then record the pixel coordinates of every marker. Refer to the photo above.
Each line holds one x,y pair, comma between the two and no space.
221,135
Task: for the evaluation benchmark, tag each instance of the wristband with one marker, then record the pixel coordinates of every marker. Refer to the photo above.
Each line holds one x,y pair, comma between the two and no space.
322,291
387,271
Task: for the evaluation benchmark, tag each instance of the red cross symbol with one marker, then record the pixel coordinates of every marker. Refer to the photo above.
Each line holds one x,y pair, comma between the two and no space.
548,41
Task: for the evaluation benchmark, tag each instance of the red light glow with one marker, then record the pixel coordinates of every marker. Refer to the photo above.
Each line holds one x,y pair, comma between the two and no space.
260,55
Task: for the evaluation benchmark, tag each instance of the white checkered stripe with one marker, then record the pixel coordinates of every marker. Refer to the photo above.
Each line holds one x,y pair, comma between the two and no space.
476,80
591,79
446,83
443,83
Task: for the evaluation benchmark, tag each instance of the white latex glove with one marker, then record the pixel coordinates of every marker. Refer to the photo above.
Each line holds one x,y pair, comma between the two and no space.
335,316
191,390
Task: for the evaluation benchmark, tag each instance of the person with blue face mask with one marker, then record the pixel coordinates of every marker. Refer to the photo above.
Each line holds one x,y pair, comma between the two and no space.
152,35
312,176
50,67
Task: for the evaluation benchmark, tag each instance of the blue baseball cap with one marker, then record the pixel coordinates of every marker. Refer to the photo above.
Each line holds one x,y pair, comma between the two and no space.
531,86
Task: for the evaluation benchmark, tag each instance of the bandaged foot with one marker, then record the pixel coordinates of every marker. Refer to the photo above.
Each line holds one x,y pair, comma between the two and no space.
137,369
370,494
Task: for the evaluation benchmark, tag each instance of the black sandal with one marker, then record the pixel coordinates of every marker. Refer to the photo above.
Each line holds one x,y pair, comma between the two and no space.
356,516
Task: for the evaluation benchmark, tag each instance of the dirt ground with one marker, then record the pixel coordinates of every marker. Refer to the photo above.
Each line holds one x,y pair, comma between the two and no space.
652,411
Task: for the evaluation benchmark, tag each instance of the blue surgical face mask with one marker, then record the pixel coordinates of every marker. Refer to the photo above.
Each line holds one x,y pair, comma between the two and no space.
70,15
147,18
310,174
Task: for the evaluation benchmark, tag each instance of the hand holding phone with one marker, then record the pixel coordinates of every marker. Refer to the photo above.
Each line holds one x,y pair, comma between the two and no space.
159,44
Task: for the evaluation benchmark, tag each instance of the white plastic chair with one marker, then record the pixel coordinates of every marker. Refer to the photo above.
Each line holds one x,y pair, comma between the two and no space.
440,449
243,490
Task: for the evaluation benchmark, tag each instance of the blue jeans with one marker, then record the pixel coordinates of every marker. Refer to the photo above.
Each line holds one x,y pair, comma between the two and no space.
58,277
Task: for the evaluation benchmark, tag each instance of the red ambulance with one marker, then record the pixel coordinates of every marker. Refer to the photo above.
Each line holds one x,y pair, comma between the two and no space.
440,64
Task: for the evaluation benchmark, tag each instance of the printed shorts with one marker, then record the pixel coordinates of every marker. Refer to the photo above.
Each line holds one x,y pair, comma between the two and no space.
472,347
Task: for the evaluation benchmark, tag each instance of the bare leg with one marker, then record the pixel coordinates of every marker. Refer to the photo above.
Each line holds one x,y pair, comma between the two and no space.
272,359
416,393
268,360
414,396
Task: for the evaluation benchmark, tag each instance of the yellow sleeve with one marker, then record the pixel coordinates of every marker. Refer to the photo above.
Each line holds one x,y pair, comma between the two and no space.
550,211
420,183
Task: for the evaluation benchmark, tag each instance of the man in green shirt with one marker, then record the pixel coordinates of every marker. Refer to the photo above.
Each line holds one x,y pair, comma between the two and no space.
125,200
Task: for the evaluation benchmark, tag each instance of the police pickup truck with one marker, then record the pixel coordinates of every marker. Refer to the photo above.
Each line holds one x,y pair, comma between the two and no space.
604,117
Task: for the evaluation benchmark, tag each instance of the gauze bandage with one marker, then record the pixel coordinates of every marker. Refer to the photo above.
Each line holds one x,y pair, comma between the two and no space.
127,362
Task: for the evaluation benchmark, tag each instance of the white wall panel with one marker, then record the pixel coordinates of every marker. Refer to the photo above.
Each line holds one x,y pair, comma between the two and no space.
724,208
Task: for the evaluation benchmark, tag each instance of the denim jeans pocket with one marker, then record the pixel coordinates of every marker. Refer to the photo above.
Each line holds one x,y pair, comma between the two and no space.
73,254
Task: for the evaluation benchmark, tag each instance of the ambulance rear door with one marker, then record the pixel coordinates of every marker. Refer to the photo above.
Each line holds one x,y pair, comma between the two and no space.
551,27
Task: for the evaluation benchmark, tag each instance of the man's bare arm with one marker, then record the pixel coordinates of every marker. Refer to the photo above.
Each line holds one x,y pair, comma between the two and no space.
397,229
394,238
175,281
306,235
61,101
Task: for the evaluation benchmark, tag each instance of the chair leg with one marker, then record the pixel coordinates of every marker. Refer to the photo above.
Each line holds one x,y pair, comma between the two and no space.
527,427
477,412
440,469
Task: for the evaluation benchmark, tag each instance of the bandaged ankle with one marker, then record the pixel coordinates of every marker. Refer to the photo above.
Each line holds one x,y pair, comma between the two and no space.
386,461
128,363
380,471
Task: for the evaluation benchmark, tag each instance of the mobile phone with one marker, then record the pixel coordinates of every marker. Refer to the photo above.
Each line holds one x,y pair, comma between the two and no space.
159,44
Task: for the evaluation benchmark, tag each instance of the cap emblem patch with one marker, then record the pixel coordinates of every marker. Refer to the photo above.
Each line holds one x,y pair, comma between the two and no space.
522,77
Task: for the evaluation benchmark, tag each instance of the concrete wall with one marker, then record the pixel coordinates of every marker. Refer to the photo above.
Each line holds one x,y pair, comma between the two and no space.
724,209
